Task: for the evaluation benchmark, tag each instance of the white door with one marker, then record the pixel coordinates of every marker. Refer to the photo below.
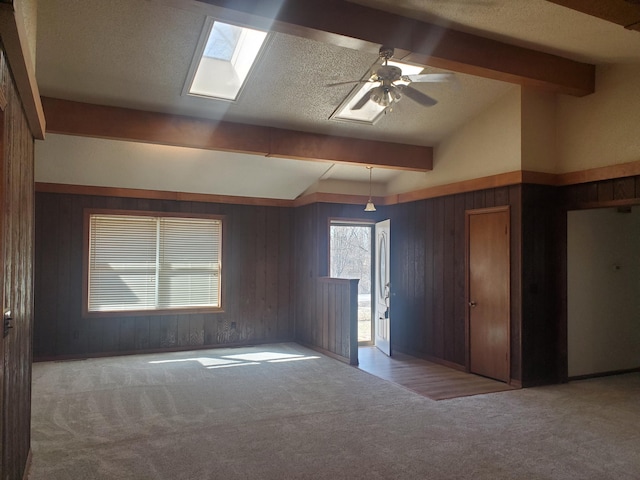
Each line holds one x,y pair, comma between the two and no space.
382,288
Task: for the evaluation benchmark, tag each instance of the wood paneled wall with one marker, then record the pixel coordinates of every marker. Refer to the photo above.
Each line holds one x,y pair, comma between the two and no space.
17,281
257,288
619,191
311,233
333,328
428,274
273,251
544,235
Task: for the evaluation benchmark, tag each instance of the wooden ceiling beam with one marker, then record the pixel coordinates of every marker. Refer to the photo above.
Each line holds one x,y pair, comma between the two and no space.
623,12
83,119
15,42
355,26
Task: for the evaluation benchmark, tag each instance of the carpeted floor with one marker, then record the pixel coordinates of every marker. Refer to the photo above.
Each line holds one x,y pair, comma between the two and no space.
285,412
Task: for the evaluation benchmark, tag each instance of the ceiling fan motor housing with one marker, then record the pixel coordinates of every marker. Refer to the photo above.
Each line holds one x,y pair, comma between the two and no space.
386,52
388,73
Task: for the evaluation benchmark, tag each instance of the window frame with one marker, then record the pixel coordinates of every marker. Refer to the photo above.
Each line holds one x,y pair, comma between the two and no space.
147,312
199,56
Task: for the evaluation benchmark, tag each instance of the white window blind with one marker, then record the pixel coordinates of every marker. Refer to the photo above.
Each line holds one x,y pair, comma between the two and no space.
151,263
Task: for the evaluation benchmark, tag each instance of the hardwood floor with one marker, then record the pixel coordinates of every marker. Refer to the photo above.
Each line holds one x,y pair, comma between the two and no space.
429,379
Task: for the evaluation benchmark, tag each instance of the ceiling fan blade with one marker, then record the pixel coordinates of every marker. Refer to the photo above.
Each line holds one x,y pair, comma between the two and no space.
350,82
362,102
366,79
417,96
428,77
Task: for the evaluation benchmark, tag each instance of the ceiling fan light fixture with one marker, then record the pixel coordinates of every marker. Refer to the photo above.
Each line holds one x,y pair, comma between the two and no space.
370,207
380,96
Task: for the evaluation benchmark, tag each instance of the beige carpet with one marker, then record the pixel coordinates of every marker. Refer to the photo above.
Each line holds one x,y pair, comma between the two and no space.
285,412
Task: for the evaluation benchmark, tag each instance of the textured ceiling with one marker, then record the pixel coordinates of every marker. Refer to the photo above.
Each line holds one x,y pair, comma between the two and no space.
136,54
537,24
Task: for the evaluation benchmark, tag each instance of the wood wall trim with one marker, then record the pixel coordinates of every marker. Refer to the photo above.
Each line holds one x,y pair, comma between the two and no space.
14,39
600,173
539,178
356,26
99,121
158,195
492,181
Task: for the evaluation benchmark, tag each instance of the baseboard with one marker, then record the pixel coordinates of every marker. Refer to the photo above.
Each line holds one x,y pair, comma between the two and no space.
605,374
27,467
321,350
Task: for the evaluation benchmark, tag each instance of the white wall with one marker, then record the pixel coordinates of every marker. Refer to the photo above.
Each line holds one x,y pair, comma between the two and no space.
539,131
603,300
111,163
488,144
601,129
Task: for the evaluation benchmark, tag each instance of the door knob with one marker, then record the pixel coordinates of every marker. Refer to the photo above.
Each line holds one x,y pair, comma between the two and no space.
472,303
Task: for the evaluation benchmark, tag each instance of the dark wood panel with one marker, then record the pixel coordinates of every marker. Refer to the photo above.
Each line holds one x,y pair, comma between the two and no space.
449,331
257,282
541,325
623,188
438,279
458,272
427,347
428,268
17,263
417,252
615,192
333,324
515,201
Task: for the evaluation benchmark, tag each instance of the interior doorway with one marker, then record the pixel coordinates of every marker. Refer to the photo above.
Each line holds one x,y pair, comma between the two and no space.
603,307
488,292
351,256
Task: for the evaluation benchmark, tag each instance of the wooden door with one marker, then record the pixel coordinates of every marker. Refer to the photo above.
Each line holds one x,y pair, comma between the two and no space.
4,437
488,291
382,288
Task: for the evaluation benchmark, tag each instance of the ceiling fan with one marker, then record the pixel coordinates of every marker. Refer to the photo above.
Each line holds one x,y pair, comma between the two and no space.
389,92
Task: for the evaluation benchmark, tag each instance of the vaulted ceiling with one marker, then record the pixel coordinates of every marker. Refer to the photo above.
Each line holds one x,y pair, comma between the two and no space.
135,54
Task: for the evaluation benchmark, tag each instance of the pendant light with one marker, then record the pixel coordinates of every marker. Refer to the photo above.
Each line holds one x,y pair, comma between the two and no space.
370,206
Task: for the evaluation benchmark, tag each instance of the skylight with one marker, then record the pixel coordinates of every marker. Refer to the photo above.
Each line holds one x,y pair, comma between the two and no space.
371,111
223,60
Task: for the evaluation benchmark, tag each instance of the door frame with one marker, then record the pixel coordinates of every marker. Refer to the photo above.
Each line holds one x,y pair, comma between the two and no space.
382,227
357,222
467,310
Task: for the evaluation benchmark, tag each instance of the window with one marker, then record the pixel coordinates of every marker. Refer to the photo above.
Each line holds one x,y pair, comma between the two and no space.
145,262
223,60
